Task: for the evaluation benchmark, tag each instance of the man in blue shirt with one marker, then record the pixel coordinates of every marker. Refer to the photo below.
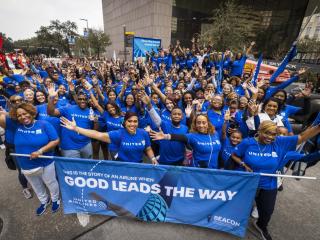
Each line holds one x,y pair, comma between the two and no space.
72,144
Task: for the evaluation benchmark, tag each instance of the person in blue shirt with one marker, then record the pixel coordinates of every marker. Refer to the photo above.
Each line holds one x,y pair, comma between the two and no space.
131,141
36,137
286,110
264,153
171,153
216,114
231,138
11,127
202,138
72,144
239,62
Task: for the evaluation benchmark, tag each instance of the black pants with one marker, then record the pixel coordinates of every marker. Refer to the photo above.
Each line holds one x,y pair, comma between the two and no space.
22,179
265,200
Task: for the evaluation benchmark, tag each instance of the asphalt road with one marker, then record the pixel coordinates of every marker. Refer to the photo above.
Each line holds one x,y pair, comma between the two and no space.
296,217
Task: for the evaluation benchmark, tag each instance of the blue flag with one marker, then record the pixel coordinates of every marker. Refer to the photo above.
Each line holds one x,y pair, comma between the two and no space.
290,55
256,71
208,198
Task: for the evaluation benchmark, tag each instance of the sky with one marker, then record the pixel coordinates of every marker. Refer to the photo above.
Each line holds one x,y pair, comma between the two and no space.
20,19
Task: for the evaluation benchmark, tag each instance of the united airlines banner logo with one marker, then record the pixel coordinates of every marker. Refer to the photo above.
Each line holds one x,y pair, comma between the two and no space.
215,199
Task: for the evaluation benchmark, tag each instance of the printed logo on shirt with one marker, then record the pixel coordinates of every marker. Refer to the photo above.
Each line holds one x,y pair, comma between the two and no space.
38,131
142,143
273,154
78,115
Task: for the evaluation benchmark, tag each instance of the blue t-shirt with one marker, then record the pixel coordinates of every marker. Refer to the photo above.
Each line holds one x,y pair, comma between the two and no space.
237,66
43,115
71,140
29,139
131,146
112,124
289,110
205,147
15,79
166,116
172,151
11,127
265,158
216,120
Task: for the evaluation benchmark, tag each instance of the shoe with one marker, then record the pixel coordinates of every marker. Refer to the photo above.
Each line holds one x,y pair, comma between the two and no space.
2,146
43,207
27,193
254,212
55,206
263,233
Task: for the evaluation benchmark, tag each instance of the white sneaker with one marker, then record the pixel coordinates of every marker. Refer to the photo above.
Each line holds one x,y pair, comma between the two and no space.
254,212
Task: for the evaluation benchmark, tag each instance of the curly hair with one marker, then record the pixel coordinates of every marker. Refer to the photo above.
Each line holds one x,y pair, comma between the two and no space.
29,108
211,128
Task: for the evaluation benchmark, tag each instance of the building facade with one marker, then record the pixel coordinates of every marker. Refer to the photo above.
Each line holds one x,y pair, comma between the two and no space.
275,22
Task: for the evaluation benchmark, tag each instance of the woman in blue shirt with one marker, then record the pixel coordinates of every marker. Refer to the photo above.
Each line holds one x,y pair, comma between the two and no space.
36,137
265,153
203,139
216,114
131,141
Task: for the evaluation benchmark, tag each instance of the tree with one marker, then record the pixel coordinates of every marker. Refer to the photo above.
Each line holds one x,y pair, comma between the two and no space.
8,45
98,40
56,35
232,25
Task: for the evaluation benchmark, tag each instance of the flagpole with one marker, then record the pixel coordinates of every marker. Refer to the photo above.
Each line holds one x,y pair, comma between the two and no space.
261,174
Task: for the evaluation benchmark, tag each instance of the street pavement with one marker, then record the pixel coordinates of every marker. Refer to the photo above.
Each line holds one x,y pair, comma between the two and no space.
296,217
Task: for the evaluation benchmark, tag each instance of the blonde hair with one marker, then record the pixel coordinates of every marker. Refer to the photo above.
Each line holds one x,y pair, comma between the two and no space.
266,126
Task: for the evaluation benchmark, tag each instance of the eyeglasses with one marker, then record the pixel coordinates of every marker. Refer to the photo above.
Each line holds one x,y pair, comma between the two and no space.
16,100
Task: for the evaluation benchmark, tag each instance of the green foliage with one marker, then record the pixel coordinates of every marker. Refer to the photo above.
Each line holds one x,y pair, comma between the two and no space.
56,35
8,45
98,40
232,26
308,45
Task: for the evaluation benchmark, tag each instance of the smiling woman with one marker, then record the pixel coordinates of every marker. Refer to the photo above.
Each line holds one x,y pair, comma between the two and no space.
35,137
265,153
131,141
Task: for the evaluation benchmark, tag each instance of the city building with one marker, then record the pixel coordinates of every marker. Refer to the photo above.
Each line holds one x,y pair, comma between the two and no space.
312,30
275,22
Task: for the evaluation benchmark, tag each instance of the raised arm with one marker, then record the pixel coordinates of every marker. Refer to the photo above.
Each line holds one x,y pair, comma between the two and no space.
308,133
51,110
71,125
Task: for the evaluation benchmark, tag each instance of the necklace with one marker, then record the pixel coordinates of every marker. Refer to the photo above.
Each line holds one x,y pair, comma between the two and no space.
263,149
29,127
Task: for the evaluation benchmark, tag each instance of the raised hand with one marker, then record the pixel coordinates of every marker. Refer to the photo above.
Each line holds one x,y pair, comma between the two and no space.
51,91
145,99
71,125
252,88
227,115
188,110
253,108
261,83
155,136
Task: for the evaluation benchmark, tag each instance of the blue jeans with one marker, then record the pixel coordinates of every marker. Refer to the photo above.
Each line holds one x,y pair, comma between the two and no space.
84,152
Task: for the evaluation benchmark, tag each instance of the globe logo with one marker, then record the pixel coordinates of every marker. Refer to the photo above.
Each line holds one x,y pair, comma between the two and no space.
154,210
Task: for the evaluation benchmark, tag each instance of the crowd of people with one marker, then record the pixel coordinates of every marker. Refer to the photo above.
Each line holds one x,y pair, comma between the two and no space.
181,107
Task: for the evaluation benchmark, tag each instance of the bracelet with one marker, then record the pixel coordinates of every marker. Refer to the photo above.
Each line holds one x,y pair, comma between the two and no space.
40,151
77,130
167,136
242,163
